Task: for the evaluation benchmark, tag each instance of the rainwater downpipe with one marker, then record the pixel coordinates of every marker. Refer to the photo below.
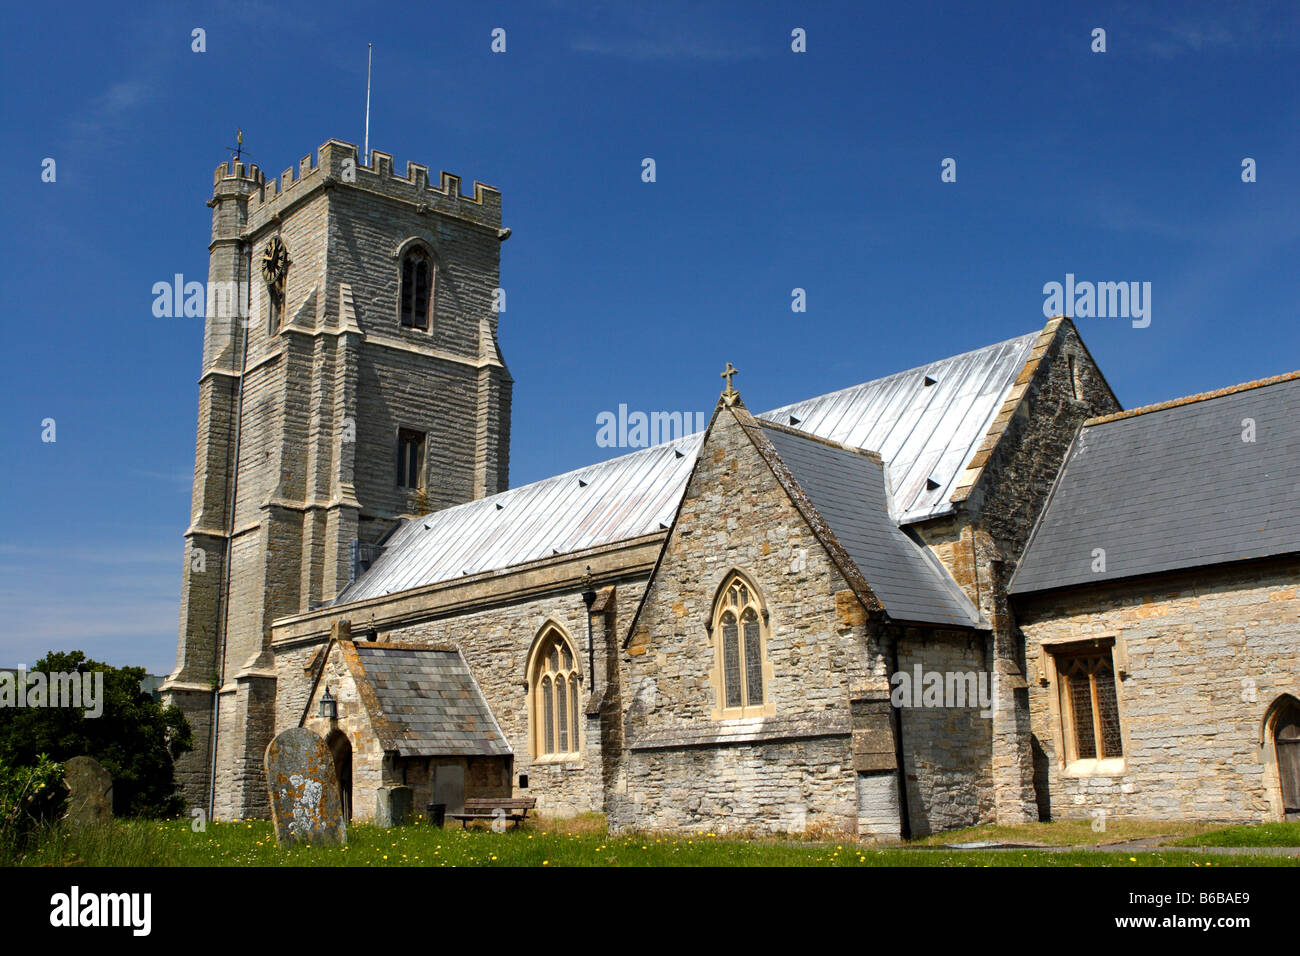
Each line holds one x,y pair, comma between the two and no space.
223,599
896,715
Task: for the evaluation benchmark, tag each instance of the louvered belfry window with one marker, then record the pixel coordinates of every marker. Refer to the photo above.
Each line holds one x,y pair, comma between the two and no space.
1089,705
410,459
555,698
739,635
417,283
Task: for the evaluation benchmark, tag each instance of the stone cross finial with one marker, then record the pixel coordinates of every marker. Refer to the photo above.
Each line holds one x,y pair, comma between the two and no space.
729,393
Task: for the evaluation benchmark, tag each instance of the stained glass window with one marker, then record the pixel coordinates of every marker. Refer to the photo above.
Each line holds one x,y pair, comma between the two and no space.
1090,704
556,698
731,659
753,660
562,711
740,649
548,711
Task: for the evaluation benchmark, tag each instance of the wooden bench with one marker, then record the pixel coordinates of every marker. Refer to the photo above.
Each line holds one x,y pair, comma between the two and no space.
515,809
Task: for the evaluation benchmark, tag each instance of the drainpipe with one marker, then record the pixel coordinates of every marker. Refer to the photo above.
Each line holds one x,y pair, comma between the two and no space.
589,598
223,602
904,818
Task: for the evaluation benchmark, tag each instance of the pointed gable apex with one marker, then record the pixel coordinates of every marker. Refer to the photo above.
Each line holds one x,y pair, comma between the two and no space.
932,597
1012,401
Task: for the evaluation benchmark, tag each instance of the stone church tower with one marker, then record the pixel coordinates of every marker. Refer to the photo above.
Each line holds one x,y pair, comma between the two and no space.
351,376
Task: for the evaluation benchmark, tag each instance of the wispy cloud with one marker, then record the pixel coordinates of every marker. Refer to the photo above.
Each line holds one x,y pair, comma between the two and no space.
174,477
107,553
118,602
1233,29
662,32
681,47
110,108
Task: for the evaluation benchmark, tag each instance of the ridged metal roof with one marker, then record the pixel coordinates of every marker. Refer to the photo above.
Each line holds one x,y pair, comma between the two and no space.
622,498
926,433
923,432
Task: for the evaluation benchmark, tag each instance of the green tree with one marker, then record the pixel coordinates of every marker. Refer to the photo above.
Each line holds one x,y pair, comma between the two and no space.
135,738
29,796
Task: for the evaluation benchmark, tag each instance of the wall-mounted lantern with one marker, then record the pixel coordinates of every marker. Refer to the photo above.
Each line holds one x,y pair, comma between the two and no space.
329,707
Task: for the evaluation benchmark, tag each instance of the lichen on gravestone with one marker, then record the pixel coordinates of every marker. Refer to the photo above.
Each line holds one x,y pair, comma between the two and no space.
90,786
305,803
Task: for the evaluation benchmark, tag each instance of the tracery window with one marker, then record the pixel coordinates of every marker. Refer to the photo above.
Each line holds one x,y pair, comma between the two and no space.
739,650
1089,706
556,696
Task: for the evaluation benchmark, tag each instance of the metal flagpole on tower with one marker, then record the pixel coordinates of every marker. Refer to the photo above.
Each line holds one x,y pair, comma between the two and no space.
365,152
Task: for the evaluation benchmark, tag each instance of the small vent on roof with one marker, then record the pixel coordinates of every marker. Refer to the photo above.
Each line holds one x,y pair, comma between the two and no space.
678,453
931,484
581,483
665,525
428,527
795,421
500,506
931,380
555,550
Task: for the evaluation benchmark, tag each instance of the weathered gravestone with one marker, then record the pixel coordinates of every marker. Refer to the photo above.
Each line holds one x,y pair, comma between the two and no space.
305,804
393,806
90,801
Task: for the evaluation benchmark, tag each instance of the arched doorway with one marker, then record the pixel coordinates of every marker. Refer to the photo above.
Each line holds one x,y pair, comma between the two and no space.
341,749
1286,748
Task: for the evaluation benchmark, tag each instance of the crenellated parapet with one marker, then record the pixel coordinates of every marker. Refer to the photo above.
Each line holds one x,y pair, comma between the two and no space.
336,164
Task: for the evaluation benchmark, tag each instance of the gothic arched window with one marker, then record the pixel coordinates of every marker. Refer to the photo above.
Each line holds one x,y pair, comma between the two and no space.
555,697
742,675
416,290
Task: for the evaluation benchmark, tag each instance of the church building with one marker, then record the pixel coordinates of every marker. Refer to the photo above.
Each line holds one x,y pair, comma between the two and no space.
880,612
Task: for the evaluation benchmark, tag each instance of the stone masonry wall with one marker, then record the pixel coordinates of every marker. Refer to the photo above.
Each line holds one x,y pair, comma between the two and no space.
1000,497
336,360
495,641
800,786
792,770
1205,655
370,770
946,749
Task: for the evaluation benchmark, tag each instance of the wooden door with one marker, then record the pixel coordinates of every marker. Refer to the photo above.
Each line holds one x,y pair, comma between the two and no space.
1286,740
449,786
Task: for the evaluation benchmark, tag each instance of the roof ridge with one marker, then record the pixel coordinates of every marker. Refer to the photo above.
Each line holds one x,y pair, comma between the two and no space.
809,436
901,372
1193,399
563,474
391,646
765,421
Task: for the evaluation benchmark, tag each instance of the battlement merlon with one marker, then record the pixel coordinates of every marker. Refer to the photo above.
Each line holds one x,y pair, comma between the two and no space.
336,165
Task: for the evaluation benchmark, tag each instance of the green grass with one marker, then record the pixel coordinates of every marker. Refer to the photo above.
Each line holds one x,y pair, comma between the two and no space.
172,843
1257,834
1069,833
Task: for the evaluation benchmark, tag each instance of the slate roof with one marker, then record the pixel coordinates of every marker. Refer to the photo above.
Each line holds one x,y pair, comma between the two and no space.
847,488
926,433
427,703
1173,486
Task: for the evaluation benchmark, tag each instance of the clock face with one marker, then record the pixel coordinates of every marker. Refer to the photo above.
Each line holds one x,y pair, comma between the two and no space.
275,260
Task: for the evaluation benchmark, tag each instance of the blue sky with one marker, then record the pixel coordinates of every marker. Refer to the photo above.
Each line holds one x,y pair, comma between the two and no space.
775,170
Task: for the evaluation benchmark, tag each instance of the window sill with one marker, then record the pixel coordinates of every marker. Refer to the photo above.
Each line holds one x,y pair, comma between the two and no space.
1109,767
563,761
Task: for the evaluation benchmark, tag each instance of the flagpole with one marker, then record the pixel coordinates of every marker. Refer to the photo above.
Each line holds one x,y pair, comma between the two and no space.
365,153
